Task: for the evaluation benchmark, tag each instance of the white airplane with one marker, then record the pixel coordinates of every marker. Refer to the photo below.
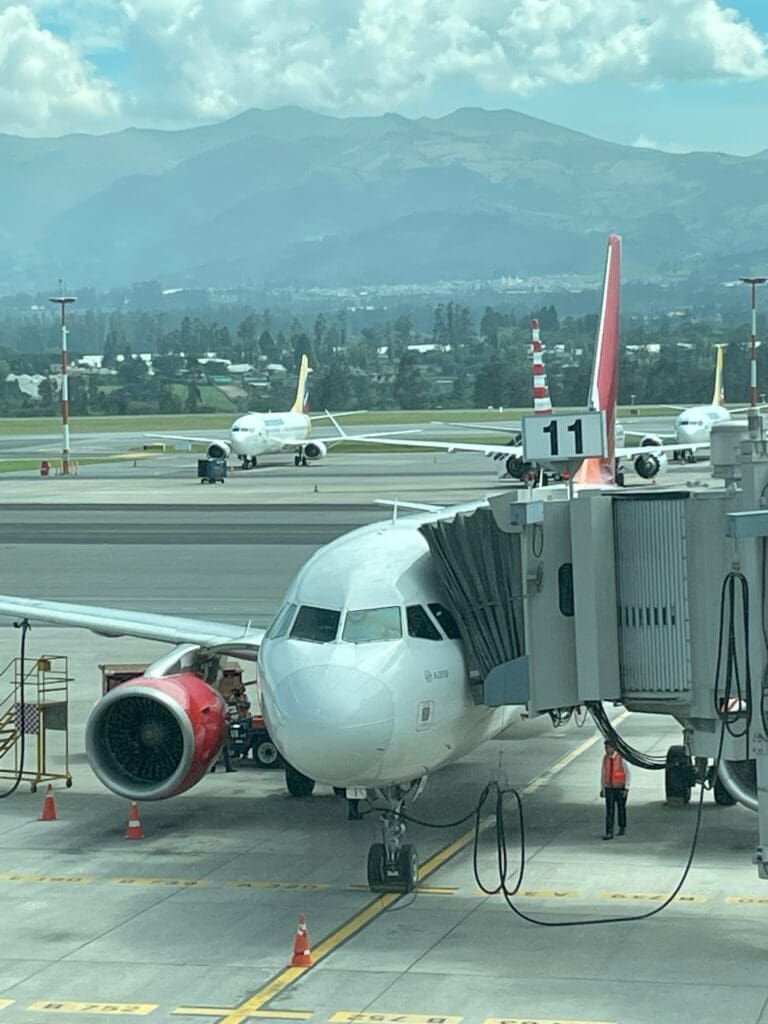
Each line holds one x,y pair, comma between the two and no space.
270,433
363,678
693,426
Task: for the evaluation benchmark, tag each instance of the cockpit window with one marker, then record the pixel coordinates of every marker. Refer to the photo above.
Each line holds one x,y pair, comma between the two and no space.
446,621
367,624
419,623
317,624
281,622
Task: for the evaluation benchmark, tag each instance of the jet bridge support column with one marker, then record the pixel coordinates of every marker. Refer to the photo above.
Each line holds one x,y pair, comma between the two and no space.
749,530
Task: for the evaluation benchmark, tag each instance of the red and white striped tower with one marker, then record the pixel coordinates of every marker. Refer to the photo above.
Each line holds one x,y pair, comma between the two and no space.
541,401
63,301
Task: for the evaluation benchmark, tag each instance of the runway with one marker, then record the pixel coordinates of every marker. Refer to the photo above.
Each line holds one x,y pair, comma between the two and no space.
197,921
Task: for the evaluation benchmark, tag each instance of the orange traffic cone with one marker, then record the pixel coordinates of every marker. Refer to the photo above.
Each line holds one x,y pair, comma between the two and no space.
134,831
301,954
49,806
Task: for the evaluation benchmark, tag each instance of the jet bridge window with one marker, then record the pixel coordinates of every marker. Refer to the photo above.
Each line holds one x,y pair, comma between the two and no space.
368,624
446,621
281,622
419,623
319,625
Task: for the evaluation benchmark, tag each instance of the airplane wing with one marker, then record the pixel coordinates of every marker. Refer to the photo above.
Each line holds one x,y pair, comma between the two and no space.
447,446
184,437
145,625
631,453
290,444
498,428
327,415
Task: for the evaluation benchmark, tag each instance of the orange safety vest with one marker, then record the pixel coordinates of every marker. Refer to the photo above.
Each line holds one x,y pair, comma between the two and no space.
614,772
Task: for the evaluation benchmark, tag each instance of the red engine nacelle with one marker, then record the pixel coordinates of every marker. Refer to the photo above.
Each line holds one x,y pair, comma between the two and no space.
149,739
315,450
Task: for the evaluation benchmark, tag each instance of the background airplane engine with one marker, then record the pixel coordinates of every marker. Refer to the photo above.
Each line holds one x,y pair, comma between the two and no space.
655,463
218,450
149,739
315,450
518,468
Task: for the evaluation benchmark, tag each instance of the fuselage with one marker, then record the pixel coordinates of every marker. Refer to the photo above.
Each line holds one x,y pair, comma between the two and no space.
362,673
693,426
268,433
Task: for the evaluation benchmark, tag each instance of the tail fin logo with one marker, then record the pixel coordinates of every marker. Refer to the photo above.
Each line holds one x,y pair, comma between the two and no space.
718,397
604,388
301,403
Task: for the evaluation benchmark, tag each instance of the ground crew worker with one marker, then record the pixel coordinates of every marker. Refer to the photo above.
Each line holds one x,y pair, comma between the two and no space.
614,786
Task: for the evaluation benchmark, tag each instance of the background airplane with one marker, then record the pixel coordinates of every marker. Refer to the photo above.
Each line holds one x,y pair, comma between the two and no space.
270,433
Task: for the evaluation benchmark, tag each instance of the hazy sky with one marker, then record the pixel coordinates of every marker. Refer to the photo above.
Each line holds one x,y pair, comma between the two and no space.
677,74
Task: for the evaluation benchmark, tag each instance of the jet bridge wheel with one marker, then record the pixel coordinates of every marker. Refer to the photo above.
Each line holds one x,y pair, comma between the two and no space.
678,777
297,784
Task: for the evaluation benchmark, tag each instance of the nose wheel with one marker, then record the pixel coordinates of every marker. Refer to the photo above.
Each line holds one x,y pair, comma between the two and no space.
393,866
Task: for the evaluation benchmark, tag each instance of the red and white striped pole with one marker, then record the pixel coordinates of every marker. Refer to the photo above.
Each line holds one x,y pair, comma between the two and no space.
63,301
541,400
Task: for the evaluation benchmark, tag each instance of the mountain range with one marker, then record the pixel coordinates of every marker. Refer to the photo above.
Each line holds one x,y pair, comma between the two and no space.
289,197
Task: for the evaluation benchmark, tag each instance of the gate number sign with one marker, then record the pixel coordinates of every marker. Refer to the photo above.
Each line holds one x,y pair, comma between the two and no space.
566,437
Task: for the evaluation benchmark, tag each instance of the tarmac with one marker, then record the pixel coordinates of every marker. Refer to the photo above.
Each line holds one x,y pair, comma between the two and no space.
196,922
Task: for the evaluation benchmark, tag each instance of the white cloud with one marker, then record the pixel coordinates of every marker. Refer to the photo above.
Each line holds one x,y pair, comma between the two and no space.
375,55
203,59
643,142
46,88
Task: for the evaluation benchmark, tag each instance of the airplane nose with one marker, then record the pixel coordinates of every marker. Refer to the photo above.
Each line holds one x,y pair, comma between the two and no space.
332,723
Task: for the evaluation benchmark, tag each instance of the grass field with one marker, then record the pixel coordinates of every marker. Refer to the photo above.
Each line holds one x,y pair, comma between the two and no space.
199,423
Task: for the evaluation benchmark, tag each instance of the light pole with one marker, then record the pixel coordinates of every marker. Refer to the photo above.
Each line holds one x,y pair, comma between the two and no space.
753,282
63,301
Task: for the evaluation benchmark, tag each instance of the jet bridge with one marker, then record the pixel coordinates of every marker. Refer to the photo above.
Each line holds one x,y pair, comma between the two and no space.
654,598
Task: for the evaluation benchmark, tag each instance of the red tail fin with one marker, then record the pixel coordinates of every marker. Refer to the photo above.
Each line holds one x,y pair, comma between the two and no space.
541,400
604,389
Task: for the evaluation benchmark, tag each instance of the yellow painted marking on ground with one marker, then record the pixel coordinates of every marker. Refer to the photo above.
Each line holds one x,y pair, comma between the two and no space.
746,899
11,876
347,1017
279,885
214,1011
127,1009
547,894
429,890
287,977
158,881
6,1002
654,897
541,1020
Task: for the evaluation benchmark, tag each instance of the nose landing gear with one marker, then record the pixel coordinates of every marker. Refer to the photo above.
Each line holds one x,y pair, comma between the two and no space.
393,866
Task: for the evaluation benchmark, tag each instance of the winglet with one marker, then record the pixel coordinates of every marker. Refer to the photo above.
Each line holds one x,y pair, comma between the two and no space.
301,402
604,388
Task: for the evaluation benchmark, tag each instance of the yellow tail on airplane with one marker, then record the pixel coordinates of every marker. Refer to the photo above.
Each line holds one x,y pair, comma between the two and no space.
719,396
301,403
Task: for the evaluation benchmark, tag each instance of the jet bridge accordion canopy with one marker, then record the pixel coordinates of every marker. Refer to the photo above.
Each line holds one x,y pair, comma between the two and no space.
480,568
